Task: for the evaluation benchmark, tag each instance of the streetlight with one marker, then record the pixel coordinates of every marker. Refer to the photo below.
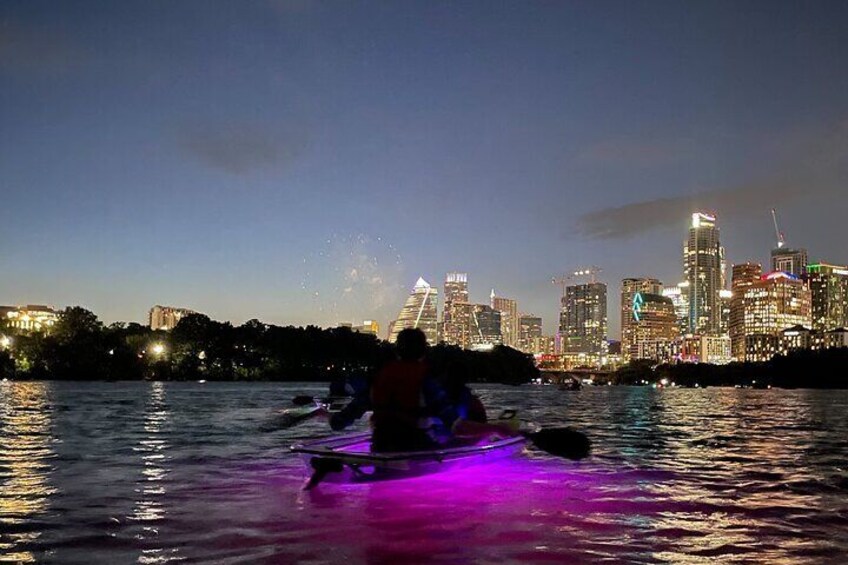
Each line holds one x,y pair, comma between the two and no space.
158,349
5,342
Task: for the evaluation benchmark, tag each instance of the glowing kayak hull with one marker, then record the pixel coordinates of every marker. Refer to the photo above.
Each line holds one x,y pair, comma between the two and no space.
352,460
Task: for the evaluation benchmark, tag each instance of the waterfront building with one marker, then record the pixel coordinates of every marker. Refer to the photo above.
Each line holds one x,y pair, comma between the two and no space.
543,345
653,325
829,288
420,311
583,319
743,276
629,288
31,318
485,327
167,317
776,302
796,338
715,349
703,266
529,328
792,261
831,339
455,328
509,318
679,295
761,347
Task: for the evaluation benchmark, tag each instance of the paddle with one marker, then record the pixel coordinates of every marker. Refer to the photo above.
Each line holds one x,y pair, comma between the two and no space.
561,442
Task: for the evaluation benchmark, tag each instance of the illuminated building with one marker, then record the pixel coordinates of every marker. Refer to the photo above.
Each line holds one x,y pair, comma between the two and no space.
583,319
776,302
796,338
456,316
629,288
703,266
419,311
367,327
713,349
509,318
529,329
485,327
31,318
679,296
792,261
830,339
743,276
543,345
761,347
829,288
652,323
167,317
724,299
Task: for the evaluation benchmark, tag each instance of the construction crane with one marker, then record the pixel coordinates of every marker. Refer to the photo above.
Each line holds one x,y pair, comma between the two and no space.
780,241
590,272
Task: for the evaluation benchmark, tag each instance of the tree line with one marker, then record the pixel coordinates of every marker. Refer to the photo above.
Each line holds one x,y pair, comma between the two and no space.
80,347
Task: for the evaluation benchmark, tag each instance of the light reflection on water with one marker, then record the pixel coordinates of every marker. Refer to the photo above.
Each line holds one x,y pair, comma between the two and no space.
153,472
25,453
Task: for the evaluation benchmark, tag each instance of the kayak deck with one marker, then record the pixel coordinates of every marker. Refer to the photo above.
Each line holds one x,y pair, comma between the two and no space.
350,459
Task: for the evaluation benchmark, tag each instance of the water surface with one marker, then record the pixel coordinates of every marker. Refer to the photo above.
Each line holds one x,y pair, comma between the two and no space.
159,472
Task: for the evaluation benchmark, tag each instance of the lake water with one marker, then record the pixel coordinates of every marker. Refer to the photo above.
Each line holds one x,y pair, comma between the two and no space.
158,472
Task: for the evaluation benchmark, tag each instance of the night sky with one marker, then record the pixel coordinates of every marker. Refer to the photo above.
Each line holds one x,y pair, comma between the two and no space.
304,162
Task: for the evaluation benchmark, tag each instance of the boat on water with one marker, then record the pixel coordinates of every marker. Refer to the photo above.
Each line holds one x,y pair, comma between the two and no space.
349,458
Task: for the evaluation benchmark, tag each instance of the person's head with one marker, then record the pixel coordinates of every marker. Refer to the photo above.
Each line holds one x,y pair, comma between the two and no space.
411,344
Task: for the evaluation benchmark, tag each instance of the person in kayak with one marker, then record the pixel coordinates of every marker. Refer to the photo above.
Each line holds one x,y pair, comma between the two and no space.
412,411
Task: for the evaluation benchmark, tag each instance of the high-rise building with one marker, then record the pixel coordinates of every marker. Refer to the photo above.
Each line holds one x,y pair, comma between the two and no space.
776,302
679,295
509,318
367,327
529,328
744,275
485,327
792,261
629,289
829,287
653,326
583,319
420,311
167,317
703,265
456,315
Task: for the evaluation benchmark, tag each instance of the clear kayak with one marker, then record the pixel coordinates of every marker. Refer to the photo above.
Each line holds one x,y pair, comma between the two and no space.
349,458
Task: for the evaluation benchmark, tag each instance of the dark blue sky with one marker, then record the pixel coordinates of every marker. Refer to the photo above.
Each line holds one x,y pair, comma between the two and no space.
304,162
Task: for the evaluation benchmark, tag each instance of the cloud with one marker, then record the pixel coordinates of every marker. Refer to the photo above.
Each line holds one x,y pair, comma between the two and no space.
37,50
238,147
630,152
817,169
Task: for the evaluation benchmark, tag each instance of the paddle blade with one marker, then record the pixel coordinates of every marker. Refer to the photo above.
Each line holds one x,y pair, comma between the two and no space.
562,442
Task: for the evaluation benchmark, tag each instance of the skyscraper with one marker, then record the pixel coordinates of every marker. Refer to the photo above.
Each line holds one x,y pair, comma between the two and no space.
744,275
529,329
829,288
420,311
456,316
776,302
485,327
653,327
583,318
703,265
629,288
509,318
679,295
792,261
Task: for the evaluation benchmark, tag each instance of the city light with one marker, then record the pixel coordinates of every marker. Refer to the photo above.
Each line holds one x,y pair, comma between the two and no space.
5,342
158,349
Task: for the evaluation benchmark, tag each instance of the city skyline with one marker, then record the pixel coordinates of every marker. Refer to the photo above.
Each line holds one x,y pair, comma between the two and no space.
305,163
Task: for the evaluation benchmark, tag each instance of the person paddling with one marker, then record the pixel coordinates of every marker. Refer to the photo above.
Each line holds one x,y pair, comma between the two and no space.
412,411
